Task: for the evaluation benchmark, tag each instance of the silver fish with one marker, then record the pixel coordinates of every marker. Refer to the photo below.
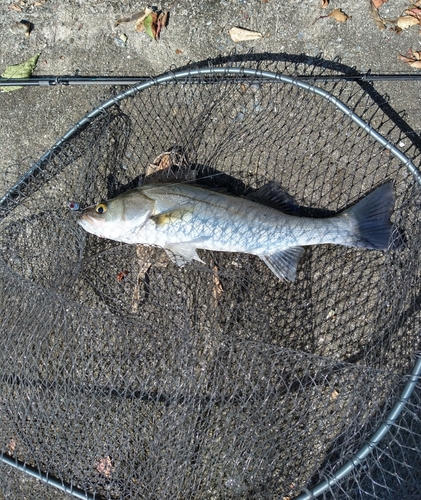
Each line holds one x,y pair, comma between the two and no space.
182,218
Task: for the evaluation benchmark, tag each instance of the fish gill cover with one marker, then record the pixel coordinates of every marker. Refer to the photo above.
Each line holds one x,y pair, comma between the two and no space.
130,377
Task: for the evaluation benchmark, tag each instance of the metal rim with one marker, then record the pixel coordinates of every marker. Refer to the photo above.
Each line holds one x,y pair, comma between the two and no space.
414,377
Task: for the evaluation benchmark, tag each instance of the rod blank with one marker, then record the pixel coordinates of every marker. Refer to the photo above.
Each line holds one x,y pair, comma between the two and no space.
52,81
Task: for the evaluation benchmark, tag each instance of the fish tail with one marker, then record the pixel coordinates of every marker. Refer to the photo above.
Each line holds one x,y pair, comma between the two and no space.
371,220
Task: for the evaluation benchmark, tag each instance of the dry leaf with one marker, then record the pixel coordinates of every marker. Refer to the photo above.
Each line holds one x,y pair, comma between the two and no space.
15,7
376,17
339,16
170,166
412,58
405,22
164,18
178,51
415,64
243,35
334,395
325,4
11,446
121,275
146,258
133,17
405,59
217,286
149,20
140,19
415,12
104,466
378,3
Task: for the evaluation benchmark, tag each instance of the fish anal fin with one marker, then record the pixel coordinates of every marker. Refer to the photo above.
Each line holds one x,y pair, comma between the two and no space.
274,195
182,253
284,263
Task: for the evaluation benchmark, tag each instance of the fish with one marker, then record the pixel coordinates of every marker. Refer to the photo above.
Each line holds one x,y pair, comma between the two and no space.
182,218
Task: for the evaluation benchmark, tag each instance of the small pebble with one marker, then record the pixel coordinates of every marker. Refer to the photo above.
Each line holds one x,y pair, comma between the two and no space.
21,28
120,40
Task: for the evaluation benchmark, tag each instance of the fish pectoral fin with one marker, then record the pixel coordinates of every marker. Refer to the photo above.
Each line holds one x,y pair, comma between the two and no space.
284,263
172,216
182,253
274,195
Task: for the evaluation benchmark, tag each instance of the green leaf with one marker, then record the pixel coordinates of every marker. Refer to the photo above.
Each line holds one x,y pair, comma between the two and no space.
149,24
23,70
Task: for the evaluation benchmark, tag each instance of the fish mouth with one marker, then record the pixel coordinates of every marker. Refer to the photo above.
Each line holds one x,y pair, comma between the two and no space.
89,224
81,219
85,220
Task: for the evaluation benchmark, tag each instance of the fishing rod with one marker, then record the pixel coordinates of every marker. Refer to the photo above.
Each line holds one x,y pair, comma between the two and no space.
52,81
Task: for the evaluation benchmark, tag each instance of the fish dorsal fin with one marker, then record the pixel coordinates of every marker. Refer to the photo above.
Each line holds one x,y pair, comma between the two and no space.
172,216
274,195
284,263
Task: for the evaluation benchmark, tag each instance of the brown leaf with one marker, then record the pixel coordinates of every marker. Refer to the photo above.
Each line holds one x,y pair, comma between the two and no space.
149,20
141,16
178,51
15,7
104,467
243,35
164,18
413,58
217,286
158,28
334,395
405,59
378,3
415,64
133,17
415,12
11,446
325,4
405,22
121,275
170,166
339,16
376,17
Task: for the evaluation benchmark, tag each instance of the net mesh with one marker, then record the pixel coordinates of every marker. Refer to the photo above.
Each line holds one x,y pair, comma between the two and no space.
129,377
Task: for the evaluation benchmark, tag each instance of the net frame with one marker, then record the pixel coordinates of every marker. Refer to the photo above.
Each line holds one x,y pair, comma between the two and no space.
12,194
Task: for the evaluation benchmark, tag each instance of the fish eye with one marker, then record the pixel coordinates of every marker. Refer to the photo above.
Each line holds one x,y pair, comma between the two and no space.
101,208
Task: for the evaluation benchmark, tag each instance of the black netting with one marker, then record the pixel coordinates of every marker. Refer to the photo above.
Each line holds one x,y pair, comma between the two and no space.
127,376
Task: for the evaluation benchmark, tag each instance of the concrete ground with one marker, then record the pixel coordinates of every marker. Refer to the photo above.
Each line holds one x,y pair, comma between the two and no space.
79,37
